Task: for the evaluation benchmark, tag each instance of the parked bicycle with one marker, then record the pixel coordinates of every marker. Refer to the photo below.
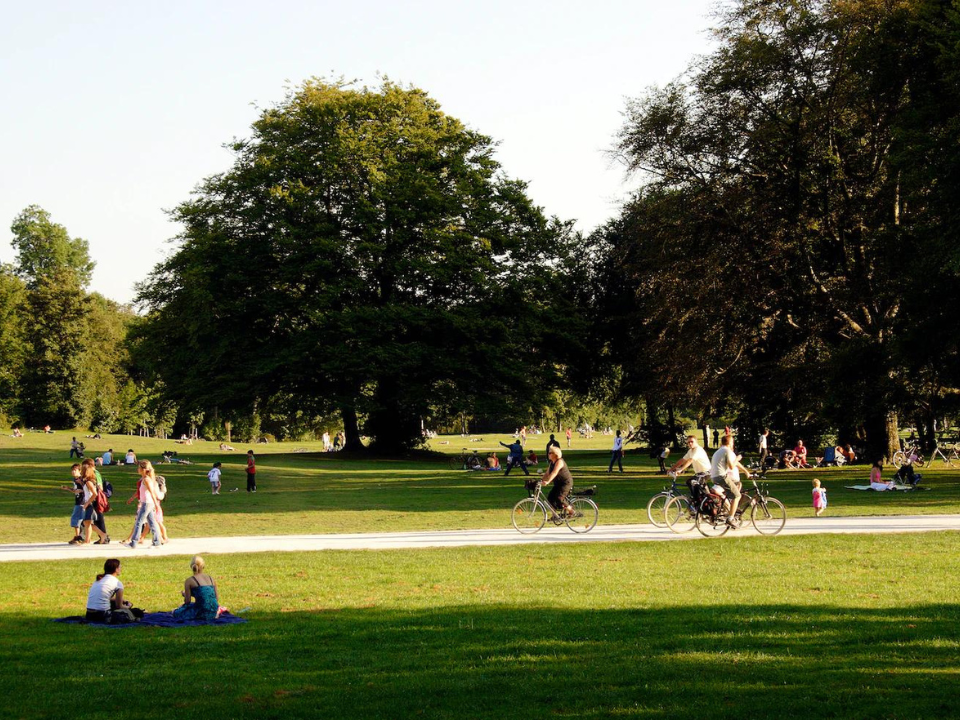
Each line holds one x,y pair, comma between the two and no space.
911,455
658,502
708,510
466,461
951,457
531,513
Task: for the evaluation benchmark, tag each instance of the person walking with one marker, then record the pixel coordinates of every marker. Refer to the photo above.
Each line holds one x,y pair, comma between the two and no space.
553,442
147,503
516,457
763,446
251,472
569,438
616,453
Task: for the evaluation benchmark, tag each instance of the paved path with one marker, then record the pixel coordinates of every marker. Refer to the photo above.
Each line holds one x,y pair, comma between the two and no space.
461,538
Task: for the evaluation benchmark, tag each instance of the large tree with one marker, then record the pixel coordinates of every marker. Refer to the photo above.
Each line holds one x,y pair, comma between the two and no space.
779,227
56,268
364,254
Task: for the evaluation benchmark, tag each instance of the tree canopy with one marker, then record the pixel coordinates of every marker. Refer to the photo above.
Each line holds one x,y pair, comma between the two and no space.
790,209
365,254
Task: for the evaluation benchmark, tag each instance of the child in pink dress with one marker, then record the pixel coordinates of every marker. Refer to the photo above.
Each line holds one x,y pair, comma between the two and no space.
819,498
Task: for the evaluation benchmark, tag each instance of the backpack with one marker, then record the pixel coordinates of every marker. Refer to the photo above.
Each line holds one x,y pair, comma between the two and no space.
161,487
101,503
108,490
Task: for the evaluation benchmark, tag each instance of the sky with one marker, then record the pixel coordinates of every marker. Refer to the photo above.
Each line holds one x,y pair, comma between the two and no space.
114,112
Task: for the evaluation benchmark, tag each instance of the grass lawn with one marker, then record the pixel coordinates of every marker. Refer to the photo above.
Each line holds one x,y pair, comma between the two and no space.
800,627
304,491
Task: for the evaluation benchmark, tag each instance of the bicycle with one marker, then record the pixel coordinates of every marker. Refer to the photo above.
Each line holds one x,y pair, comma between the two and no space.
708,511
466,461
531,514
680,512
911,455
952,459
658,503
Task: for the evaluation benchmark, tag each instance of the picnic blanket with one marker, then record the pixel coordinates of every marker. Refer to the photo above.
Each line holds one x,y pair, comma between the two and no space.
157,619
895,487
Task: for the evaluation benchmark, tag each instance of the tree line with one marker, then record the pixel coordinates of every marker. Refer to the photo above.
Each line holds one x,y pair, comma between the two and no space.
789,259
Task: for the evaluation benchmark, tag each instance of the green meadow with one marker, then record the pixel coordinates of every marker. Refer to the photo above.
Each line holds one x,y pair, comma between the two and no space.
303,490
813,626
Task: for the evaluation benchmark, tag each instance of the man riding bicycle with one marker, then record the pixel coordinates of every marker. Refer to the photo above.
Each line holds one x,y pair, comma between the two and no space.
725,470
695,456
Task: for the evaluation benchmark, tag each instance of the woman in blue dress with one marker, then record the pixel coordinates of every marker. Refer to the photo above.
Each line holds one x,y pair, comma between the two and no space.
202,590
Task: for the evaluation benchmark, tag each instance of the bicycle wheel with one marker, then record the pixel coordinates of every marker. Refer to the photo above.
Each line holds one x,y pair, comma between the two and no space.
585,515
529,515
711,524
456,462
655,508
679,516
768,516
899,458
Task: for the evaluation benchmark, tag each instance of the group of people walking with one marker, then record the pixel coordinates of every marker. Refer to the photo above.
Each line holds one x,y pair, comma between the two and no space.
92,502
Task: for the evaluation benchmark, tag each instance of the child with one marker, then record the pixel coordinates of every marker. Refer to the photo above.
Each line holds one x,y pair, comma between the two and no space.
76,520
819,498
214,477
251,472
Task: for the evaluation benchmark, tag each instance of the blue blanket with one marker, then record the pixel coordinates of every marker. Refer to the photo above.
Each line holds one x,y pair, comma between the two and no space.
157,619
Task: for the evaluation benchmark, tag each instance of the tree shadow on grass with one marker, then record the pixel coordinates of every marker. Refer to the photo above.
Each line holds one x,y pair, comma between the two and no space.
769,661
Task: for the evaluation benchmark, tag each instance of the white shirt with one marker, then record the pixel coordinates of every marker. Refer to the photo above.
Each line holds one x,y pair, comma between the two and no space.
214,475
699,459
724,465
130,459
101,592
763,442
617,444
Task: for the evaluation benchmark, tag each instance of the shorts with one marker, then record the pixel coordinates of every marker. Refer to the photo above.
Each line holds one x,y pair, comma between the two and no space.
77,518
90,514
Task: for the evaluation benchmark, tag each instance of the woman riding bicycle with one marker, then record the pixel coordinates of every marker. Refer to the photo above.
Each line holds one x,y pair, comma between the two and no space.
558,473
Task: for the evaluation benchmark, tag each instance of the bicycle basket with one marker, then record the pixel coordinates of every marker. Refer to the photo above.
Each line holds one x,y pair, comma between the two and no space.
531,486
584,492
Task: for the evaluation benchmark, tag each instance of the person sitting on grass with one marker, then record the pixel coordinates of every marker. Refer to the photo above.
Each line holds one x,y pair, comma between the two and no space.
558,473
201,589
106,594
493,462
876,481
106,458
800,455
131,458
533,459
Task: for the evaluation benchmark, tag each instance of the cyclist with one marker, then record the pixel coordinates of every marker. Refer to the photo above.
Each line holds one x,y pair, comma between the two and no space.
558,473
725,470
695,456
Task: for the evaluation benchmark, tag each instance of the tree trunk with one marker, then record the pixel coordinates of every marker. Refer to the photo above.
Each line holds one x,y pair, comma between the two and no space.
351,428
882,436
